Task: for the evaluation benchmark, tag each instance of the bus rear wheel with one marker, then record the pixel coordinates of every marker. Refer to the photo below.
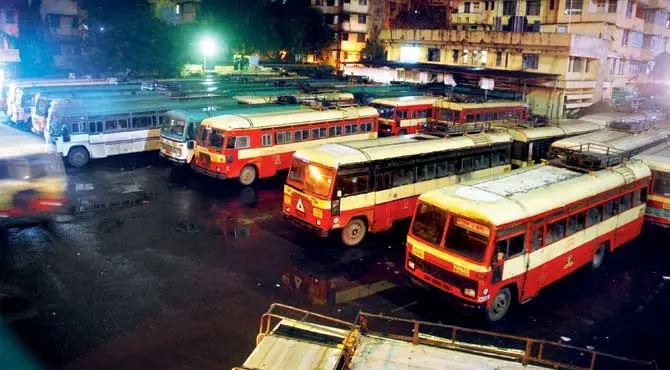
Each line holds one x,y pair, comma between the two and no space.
402,132
499,305
354,232
78,157
598,256
248,175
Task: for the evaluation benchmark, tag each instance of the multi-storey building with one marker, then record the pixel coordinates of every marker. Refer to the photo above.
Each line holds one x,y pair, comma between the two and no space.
61,18
177,11
349,19
9,33
589,46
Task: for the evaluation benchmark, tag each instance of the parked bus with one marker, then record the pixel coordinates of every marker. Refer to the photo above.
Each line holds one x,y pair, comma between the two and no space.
367,185
632,136
532,144
250,146
658,202
491,112
33,184
179,128
497,241
403,115
335,97
99,131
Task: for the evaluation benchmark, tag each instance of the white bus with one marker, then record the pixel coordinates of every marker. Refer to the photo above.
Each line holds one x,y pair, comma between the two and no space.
33,184
101,131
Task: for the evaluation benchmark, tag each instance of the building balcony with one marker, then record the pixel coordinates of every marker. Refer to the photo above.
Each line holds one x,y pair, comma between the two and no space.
626,52
568,44
654,4
63,7
649,53
355,8
602,16
9,56
329,9
656,29
354,27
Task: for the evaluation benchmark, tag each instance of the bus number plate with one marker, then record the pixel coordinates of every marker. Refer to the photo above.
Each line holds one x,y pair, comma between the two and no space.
417,252
461,270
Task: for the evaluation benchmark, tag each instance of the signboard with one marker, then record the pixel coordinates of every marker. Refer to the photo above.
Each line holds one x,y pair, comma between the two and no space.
471,226
449,80
486,83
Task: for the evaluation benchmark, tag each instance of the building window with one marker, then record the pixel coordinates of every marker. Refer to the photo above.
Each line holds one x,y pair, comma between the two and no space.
319,3
612,66
344,18
624,38
362,18
330,2
465,56
466,7
499,58
574,6
531,61
621,67
433,54
532,7
509,7
177,9
11,17
636,39
362,2
454,55
345,36
575,65
475,56
475,7
361,37
629,9
612,5
485,57
552,4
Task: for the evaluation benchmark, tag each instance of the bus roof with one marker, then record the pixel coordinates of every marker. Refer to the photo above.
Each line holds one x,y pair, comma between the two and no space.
446,104
200,114
621,140
288,118
336,155
573,127
405,101
15,143
657,158
520,194
135,105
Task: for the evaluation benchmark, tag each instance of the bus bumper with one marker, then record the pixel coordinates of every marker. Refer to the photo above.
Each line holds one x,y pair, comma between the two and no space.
306,225
216,175
444,297
173,160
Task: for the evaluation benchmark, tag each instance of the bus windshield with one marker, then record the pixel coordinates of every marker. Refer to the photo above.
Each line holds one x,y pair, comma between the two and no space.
661,183
174,126
42,107
429,223
310,177
385,111
211,137
467,238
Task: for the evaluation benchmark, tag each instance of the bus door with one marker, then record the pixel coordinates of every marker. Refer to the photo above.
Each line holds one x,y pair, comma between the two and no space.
383,199
97,139
535,277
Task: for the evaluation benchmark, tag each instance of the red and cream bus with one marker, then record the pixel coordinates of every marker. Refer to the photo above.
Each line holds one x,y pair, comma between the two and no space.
658,202
403,115
251,146
367,185
492,112
497,241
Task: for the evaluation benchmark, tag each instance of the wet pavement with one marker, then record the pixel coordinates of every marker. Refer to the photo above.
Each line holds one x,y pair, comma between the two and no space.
154,267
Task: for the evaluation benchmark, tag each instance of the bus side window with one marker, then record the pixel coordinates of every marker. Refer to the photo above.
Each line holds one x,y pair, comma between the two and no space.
403,176
78,127
626,202
538,237
91,127
445,169
335,131
267,140
610,208
353,184
555,231
383,181
499,158
322,132
111,125
123,124
241,142
315,133
401,114
593,215
230,142
425,172
466,165
639,197
482,161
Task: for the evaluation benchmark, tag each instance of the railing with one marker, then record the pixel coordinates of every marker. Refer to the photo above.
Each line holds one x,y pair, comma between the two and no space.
522,349
591,156
631,125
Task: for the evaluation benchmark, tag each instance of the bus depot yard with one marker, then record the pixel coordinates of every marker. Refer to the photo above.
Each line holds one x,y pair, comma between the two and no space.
177,216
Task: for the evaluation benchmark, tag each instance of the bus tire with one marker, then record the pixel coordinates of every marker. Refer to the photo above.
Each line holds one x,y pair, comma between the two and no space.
499,305
354,232
402,132
599,256
248,175
78,157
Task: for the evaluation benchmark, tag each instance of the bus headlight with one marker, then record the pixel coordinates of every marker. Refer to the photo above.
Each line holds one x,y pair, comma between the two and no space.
469,292
335,208
411,265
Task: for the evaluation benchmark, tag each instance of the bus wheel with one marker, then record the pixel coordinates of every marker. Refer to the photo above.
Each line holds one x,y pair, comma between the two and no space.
78,157
248,175
402,132
354,232
499,305
598,256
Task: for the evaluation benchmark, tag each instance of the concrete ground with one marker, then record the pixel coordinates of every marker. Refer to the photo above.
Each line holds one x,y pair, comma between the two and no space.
157,268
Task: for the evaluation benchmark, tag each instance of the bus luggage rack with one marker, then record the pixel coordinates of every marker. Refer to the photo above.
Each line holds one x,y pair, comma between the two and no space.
592,156
632,126
450,129
527,351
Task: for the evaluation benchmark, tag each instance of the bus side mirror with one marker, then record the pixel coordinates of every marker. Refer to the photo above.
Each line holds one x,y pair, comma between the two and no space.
190,145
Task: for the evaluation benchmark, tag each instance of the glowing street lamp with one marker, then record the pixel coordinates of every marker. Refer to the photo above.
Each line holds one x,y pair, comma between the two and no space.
208,48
